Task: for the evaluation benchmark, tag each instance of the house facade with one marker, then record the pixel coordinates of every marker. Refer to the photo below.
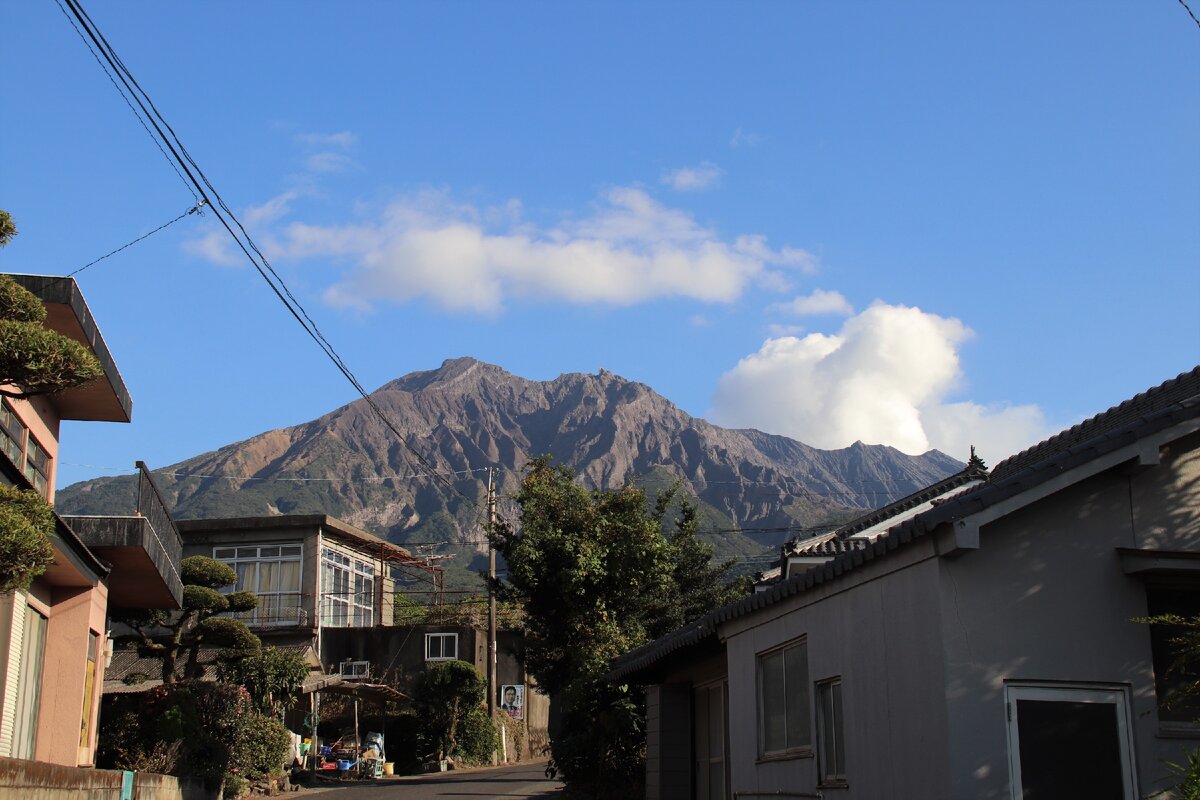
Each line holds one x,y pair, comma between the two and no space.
330,585
984,647
53,636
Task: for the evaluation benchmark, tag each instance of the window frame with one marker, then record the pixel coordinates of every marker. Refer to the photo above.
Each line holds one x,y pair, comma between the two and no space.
1163,658
803,717
441,636
255,616
17,441
353,606
833,689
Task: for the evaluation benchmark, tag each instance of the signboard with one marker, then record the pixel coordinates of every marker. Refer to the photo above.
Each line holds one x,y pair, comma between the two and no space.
512,700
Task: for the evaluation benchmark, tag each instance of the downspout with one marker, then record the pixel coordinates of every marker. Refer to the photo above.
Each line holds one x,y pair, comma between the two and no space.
318,596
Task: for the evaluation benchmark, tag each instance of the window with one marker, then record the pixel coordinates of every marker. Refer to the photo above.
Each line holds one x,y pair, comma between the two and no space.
783,703
348,591
1172,672
23,450
830,740
273,573
441,646
1066,741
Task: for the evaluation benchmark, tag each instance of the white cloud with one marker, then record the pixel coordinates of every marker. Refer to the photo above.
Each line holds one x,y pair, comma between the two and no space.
692,179
775,329
744,138
818,303
327,161
885,378
214,246
700,321
631,249
342,139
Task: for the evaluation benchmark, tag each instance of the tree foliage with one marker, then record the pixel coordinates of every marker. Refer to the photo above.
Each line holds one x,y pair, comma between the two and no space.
33,358
168,635
8,228
26,525
598,578
272,677
445,694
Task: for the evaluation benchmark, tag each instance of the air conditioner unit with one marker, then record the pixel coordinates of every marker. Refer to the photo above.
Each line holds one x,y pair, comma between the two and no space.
354,669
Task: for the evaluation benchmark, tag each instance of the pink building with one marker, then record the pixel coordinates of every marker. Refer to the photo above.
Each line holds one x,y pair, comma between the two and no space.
53,644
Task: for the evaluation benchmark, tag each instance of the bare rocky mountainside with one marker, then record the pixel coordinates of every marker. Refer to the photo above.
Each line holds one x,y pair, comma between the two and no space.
468,415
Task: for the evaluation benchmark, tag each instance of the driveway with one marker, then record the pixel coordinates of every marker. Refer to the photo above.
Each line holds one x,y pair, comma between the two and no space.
519,780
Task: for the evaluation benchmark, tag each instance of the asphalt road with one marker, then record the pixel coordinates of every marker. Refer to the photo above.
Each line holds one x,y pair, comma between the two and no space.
520,780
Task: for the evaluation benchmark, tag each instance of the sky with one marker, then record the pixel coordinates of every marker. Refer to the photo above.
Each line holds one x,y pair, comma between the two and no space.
927,225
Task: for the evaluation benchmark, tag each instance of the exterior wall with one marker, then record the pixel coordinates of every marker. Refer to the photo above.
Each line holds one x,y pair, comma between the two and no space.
1045,599
879,629
74,614
32,780
202,544
43,423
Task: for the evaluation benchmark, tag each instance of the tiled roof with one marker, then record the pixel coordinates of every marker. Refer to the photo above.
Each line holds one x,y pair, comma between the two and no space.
1163,407
1179,390
129,665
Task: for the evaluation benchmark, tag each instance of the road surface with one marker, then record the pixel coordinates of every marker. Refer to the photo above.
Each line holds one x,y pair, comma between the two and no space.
520,780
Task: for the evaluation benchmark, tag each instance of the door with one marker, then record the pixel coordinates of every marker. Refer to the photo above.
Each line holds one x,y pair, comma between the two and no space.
1069,742
710,778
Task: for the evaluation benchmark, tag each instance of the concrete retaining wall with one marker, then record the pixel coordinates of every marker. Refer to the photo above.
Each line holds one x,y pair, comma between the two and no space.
37,780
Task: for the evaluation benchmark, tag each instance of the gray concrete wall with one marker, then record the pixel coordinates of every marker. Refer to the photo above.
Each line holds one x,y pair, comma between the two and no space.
879,629
1045,600
35,780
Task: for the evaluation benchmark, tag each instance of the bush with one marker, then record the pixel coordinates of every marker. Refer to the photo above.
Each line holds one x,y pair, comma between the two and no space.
272,677
264,747
446,693
235,786
477,738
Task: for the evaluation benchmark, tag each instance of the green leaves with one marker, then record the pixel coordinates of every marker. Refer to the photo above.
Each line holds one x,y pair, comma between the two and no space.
597,579
26,525
205,571
34,358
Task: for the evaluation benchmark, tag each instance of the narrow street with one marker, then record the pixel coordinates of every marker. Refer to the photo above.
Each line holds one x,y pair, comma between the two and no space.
520,780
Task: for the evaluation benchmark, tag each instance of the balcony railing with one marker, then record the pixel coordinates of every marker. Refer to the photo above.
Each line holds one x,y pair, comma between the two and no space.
151,506
276,609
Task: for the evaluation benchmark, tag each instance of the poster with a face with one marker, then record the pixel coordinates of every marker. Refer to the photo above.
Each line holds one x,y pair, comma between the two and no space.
512,700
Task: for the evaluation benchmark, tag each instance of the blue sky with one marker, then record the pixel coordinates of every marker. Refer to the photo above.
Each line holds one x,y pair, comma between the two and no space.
926,225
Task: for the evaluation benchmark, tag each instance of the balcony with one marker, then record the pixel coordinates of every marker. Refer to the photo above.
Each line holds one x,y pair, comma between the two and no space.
144,550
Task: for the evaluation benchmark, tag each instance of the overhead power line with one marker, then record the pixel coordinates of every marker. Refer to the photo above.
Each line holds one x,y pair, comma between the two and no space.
134,94
194,209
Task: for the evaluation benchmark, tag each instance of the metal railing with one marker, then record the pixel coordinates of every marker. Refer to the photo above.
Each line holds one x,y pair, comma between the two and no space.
152,507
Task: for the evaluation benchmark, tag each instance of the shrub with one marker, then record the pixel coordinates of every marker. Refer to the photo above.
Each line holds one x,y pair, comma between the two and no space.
446,693
205,571
264,748
476,740
271,677
235,786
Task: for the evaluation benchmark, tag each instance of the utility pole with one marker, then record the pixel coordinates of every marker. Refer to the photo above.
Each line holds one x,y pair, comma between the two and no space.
491,525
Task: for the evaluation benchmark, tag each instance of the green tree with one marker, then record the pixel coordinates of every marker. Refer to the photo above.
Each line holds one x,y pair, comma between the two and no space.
26,524
446,693
167,635
597,577
272,677
35,360
8,228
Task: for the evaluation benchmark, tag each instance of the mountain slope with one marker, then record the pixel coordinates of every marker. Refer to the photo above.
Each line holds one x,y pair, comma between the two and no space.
468,415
